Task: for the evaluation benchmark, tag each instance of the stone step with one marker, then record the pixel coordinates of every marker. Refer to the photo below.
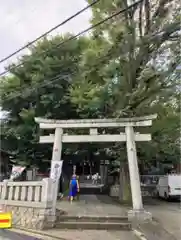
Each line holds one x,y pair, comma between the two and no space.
102,219
94,225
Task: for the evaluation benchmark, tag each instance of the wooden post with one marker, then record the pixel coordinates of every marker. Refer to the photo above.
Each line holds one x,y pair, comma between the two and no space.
133,169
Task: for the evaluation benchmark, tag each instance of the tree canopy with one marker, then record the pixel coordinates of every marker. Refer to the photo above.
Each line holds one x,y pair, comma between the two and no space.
128,66
144,53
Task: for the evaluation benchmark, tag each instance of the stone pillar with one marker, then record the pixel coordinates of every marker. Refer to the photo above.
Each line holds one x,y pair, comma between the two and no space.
106,172
56,156
47,215
102,170
138,213
133,169
57,146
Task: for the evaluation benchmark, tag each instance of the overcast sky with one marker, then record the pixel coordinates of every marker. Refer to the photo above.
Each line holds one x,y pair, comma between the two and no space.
24,20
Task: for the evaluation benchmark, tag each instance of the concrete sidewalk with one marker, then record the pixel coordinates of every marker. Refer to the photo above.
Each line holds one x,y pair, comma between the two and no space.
97,205
79,235
147,231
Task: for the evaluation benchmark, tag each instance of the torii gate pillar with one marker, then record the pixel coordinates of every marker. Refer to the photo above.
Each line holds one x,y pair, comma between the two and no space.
133,169
56,156
57,146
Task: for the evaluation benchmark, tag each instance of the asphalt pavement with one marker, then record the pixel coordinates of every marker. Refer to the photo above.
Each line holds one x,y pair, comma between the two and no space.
7,235
168,214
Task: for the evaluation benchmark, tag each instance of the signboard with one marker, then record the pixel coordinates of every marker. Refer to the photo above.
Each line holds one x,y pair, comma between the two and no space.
56,170
5,220
16,172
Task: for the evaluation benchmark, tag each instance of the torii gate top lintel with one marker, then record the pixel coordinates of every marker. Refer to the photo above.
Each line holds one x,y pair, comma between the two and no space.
88,123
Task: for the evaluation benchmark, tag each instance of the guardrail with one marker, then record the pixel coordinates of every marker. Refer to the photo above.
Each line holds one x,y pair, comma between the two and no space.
148,186
28,194
150,179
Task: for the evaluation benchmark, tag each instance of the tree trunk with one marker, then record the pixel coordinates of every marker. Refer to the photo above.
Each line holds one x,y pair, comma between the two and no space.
124,184
121,182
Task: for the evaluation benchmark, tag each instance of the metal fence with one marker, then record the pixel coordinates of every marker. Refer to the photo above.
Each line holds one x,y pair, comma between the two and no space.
149,179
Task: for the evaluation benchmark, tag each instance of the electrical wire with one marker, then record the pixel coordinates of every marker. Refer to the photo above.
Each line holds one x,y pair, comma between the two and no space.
49,31
81,33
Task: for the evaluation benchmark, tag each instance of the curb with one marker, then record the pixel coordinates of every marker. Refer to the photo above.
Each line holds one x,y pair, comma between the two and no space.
31,232
139,235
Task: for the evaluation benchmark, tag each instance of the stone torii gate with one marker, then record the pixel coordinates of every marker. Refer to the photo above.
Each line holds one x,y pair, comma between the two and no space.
129,136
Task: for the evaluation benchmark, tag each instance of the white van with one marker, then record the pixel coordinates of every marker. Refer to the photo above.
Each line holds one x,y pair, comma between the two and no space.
169,186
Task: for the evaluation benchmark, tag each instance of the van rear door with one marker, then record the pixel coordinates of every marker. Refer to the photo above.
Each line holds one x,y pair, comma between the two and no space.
175,185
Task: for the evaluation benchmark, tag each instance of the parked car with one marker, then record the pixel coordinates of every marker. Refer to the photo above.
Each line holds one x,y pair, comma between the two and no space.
169,186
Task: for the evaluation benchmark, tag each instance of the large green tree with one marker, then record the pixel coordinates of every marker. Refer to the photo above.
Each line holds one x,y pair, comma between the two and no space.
38,87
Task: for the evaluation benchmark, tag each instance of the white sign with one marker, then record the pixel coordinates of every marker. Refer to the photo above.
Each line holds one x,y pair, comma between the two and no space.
16,172
56,170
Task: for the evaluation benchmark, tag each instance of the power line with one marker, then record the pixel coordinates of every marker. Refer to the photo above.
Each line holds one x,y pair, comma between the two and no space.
81,33
49,31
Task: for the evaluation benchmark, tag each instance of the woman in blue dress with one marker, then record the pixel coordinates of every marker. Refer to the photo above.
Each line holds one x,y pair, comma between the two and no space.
73,188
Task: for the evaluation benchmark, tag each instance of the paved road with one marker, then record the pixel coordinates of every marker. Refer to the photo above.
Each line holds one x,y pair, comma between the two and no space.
168,215
7,235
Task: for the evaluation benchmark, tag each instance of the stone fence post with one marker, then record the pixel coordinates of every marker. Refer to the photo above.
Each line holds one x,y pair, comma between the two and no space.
4,190
47,194
48,198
